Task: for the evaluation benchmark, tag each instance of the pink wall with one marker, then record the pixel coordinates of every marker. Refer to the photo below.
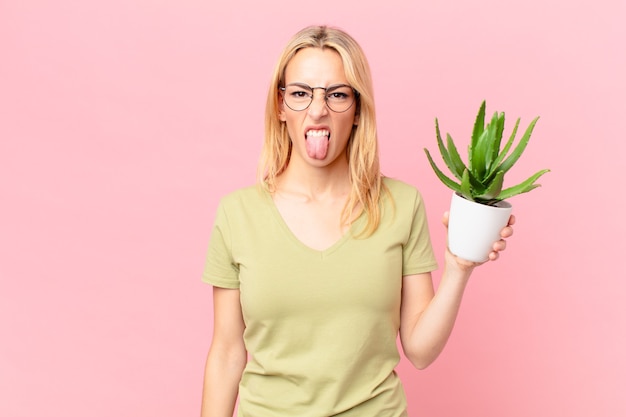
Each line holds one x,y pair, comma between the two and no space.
123,122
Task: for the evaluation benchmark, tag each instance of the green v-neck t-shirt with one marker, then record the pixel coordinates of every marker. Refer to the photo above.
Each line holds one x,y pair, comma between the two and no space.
320,326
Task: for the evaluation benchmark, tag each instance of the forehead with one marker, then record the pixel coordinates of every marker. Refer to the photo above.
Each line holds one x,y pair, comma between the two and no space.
316,67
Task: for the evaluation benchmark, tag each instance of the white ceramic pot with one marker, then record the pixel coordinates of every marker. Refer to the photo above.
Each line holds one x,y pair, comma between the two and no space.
473,228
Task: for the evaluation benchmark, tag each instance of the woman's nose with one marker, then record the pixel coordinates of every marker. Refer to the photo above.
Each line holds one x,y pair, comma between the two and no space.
318,106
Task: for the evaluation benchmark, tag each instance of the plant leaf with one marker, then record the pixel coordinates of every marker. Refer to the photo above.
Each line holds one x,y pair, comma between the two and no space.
482,148
522,187
478,167
445,155
477,133
442,177
476,185
466,188
493,148
502,154
494,189
476,156
519,149
479,123
455,159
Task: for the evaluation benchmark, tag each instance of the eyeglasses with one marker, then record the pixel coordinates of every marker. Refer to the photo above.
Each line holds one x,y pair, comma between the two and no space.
339,98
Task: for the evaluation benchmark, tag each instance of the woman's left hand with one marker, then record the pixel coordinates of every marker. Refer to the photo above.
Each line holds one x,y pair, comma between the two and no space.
498,246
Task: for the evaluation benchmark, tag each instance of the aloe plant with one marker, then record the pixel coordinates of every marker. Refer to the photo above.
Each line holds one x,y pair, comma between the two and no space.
482,179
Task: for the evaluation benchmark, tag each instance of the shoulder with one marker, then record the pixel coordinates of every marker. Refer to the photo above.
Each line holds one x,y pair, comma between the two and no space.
242,197
401,191
244,203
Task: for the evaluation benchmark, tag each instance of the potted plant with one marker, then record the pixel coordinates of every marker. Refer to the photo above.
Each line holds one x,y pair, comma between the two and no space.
478,210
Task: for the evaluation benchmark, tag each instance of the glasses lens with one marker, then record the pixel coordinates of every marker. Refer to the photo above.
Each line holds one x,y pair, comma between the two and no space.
298,97
340,98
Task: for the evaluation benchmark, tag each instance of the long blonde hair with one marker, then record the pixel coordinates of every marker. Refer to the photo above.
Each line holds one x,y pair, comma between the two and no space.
364,167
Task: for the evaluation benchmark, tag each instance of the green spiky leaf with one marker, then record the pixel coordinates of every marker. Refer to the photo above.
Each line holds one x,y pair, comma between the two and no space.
477,134
479,123
493,147
478,153
523,187
442,177
502,153
493,190
455,158
466,188
448,159
519,149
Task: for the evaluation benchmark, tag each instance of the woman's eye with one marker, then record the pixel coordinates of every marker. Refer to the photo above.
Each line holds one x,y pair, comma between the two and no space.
300,94
337,96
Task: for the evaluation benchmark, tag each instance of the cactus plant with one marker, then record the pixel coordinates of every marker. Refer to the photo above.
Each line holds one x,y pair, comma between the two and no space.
481,180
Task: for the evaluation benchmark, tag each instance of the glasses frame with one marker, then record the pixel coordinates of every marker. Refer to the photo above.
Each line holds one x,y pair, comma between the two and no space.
326,90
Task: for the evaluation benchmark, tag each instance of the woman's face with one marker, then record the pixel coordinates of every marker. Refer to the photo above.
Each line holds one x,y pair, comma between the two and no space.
319,135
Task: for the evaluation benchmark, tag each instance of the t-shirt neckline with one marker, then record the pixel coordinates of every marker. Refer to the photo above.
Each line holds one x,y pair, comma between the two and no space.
289,233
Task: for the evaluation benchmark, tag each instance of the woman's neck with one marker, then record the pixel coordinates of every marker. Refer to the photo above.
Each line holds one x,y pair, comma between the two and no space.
314,182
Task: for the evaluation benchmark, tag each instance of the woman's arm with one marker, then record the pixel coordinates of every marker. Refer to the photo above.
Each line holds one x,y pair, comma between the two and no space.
227,355
427,318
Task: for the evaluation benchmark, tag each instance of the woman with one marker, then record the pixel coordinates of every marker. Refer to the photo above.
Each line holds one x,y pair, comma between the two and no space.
316,270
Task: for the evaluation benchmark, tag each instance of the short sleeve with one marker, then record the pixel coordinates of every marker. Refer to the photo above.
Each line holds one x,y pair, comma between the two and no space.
417,254
220,269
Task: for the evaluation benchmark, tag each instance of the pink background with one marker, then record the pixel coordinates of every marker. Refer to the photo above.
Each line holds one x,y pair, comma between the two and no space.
122,123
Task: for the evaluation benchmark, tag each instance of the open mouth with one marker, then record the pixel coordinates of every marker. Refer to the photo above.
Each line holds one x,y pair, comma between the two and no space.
317,143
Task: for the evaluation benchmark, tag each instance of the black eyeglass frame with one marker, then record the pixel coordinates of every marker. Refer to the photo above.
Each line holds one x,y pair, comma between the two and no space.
326,91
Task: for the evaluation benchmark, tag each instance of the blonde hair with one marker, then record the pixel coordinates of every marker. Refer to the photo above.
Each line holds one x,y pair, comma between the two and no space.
362,149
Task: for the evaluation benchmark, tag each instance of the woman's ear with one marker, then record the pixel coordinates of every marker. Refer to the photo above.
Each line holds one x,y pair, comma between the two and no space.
281,109
357,113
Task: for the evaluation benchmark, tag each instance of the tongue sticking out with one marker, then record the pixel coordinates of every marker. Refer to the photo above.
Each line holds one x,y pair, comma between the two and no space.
317,146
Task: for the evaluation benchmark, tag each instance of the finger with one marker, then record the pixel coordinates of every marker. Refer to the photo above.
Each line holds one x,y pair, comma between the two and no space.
511,220
506,232
446,218
499,246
